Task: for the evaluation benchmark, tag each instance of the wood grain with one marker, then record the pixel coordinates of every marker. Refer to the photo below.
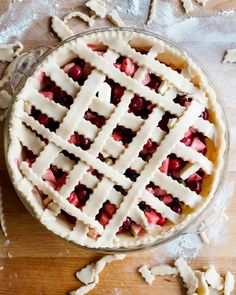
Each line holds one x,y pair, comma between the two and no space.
38,262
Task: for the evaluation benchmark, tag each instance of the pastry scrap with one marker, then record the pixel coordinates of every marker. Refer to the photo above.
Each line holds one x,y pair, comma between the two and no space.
2,219
146,274
229,283
152,11
203,233
213,278
196,281
188,5
202,288
9,51
101,148
164,270
9,71
98,7
114,17
89,20
230,56
90,274
188,276
61,29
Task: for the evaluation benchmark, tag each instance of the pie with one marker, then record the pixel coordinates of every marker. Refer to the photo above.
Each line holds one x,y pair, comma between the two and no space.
116,140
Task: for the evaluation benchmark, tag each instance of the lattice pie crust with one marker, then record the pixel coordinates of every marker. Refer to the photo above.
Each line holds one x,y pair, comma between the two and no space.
107,181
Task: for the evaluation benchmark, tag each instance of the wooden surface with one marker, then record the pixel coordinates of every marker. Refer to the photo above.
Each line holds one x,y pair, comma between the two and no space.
38,262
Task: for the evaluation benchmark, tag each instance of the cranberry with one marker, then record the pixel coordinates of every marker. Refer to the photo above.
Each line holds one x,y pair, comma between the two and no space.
167,199
75,72
126,225
176,208
164,121
137,105
205,115
117,136
162,220
155,82
148,145
195,186
100,121
183,100
132,174
174,164
117,93
187,140
144,207
84,142
43,119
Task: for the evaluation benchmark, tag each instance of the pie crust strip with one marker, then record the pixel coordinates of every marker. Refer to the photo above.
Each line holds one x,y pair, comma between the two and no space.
61,29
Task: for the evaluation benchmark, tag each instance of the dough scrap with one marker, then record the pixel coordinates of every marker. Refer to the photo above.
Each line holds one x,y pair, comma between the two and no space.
164,270
229,283
89,20
9,71
230,56
9,51
98,7
61,29
213,278
202,284
203,233
188,5
152,11
115,19
90,274
146,274
187,275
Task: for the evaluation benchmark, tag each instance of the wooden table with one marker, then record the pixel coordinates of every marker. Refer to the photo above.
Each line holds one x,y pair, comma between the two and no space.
38,262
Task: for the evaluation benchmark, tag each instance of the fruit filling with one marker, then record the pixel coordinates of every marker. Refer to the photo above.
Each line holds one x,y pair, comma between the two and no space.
44,119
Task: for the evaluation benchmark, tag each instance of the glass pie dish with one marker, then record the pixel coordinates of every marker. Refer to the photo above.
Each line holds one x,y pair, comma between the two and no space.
148,178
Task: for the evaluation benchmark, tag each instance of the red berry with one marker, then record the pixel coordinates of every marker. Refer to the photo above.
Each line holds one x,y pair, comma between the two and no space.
137,105
110,209
195,186
162,220
117,136
159,192
49,176
205,115
194,178
75,72
103,219
73,199
82,195
187,140
167,199
152,217
48,94
176,208
43,119
174,164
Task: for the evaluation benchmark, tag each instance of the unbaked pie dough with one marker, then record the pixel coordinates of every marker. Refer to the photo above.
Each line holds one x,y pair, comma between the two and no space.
96,133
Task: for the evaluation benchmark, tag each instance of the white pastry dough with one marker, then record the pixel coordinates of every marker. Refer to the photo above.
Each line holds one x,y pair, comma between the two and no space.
9,71
188,276
98,7
9,51
229,283
146,274
90,274
203,233
164,270
5,99
114,17
230,56
188,5
202,285
213,278
61,29
152,11
89,20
